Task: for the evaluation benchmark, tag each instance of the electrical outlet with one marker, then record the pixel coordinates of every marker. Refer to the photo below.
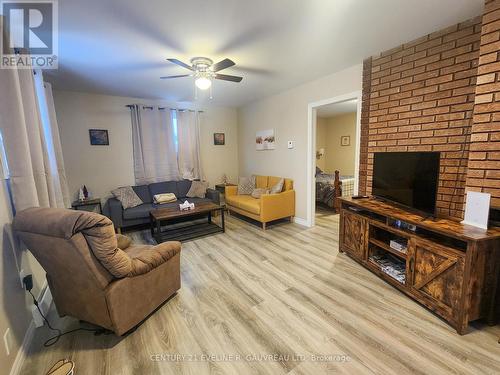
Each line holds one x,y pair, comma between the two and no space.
7,340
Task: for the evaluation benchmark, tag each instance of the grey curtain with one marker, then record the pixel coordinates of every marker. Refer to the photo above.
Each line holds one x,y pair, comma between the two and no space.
153,138
188,137
31,141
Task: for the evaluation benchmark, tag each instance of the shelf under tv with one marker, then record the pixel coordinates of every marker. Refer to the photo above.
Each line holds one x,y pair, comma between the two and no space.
450,268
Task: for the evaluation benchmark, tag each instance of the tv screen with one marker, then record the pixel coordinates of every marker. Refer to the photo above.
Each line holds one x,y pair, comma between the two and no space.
407,178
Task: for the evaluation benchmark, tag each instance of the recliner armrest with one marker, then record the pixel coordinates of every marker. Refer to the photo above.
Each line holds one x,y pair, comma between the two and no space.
153,256
213,195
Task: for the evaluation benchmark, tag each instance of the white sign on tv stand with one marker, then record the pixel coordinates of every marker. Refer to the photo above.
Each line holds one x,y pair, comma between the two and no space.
477,209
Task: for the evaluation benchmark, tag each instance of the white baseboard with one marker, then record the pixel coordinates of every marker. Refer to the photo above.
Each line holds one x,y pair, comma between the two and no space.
44,302
21,354
300,221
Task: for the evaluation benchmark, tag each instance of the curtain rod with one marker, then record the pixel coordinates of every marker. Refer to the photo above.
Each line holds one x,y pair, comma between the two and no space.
163,108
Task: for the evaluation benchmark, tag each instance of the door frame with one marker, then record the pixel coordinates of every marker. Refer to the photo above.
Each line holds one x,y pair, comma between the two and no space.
311,147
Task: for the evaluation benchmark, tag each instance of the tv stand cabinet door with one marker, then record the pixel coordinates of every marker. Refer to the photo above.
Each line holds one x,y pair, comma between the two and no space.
353,234
437,278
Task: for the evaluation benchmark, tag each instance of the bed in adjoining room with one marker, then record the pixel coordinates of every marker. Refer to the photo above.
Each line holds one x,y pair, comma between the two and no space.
330,186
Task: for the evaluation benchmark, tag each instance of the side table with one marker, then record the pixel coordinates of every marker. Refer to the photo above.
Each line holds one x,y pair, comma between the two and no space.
78,205
221,188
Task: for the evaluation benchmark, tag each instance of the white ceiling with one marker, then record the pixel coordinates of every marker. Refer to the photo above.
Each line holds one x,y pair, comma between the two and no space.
336,109
119,47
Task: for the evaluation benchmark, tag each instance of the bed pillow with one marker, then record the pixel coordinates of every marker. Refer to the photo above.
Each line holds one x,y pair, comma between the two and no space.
198,189
127,196
278,187
246,185
257,193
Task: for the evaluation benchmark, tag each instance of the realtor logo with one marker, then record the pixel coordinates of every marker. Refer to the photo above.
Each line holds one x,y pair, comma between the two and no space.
29,34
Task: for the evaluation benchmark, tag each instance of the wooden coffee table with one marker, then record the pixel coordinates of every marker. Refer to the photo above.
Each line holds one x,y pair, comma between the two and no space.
181,232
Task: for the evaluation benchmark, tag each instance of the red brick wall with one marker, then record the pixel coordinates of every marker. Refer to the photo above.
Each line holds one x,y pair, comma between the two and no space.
484,157
421,98
365,122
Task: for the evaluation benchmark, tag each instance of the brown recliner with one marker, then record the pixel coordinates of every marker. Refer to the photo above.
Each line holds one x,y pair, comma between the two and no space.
90,278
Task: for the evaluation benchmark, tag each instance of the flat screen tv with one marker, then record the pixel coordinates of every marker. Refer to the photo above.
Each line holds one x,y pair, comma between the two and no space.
407,178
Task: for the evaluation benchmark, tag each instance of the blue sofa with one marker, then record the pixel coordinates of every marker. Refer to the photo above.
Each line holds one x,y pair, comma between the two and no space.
139,215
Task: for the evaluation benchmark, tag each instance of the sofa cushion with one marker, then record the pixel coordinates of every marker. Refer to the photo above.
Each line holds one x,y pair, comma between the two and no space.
139,212
163,187
256,193
183,187
244,202
142,192
261,182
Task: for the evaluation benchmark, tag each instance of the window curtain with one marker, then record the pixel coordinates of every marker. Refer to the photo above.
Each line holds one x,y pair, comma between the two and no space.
188,138
153,140
31,140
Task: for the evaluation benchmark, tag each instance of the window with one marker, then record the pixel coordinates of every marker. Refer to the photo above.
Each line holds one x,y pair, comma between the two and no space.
174,125
3,157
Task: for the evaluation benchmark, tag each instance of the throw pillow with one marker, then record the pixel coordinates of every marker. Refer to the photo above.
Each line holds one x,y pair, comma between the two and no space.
246,185
278,187
198,189
127,196
256,193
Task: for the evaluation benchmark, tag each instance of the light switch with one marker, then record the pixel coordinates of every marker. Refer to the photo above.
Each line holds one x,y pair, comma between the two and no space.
291,144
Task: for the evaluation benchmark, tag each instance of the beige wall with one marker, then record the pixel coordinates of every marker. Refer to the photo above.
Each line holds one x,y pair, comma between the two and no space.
287,113
103,168
321,128
15,305
337,157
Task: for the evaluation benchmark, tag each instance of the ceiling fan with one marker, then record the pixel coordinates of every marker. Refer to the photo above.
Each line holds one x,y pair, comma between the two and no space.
204,70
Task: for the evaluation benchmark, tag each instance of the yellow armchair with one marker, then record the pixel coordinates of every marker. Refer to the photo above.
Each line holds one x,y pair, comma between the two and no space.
268,207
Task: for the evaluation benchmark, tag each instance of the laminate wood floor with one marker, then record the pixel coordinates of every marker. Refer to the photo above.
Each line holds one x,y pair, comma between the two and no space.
283,301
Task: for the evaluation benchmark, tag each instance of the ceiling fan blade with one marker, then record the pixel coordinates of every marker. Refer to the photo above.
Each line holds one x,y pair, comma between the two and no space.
179,76
226,63
180,63
226,77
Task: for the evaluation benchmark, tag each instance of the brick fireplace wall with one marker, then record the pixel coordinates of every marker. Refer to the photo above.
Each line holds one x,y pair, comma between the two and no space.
484,156
440,92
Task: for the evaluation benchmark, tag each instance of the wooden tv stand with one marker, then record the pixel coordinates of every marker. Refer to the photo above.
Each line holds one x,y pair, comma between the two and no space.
450,268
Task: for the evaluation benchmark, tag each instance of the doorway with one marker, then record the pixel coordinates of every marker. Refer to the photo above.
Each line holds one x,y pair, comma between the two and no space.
334,130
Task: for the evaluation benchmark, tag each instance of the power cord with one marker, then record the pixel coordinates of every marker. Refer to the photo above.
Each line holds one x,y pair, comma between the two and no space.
28,283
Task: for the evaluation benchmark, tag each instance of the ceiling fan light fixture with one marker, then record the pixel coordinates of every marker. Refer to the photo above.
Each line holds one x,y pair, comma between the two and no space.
203,83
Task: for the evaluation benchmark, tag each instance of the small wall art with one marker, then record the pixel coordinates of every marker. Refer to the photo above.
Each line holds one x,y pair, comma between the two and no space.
219,139
99,137
265,140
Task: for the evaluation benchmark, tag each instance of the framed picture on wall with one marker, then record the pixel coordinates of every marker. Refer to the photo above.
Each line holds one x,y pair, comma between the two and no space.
99,137
345,140
219,139
265,140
